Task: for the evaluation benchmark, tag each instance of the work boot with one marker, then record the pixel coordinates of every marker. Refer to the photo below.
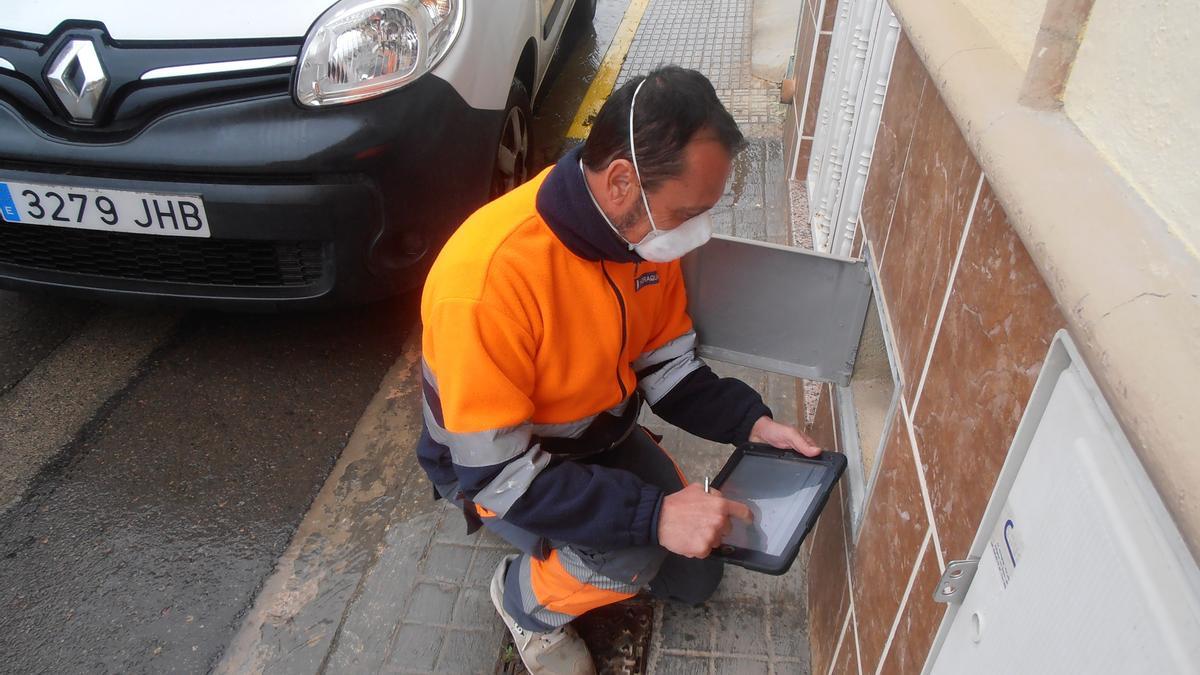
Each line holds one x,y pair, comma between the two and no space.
557,652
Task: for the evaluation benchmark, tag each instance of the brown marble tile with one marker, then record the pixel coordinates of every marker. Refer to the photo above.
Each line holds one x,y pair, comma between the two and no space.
993,341
828,598
935,196
801,402
894,526
806,34
900,108
919,623
791,134
831,7
818,83
847,663
822,429
857,244
802,160
810,10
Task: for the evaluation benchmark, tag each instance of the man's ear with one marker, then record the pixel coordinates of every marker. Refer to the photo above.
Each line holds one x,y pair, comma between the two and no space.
620,182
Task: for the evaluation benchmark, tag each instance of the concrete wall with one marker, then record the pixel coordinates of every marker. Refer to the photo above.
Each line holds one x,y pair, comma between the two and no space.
1124,92
771,44
1014,23
1133,92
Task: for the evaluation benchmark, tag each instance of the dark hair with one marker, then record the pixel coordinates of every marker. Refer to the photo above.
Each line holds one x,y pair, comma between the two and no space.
672,107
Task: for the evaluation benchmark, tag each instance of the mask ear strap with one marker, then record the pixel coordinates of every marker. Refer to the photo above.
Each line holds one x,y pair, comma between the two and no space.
633,155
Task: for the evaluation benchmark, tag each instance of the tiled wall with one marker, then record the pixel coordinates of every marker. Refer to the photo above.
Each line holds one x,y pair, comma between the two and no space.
972,321
812,51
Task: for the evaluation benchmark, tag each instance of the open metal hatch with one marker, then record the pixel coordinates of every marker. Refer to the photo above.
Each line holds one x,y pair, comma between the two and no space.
777,308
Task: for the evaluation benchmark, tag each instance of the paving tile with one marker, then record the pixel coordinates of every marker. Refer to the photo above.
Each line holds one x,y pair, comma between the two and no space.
432,603
372,618
792,588
728,666
686,628
789,667
453,529
712,36
672,664
469,652
741,585
446,562
789,631
416,648
741,628
484,566
474,609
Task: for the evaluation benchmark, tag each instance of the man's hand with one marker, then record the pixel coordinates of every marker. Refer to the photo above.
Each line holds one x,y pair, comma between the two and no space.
767,430
691,522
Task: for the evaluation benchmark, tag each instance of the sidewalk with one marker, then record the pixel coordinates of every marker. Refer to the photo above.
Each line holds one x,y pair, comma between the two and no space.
755,623
714,37
379,578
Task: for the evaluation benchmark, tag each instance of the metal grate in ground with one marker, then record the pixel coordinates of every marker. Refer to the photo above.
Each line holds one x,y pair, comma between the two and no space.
617,635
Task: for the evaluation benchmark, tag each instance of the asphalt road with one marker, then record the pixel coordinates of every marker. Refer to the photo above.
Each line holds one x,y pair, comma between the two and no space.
141,542
155,464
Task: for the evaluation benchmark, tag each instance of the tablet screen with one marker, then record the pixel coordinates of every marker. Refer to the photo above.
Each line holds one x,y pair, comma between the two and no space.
778,492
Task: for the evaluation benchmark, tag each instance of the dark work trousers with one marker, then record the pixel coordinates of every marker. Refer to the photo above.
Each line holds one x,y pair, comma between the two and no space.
552,583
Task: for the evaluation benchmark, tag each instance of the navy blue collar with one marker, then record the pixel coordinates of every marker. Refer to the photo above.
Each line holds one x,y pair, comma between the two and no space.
567,207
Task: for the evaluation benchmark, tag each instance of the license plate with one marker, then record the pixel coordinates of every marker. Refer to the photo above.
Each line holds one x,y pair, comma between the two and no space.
108,210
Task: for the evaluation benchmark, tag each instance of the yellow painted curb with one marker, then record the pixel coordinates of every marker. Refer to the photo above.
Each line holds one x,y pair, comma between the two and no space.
606,75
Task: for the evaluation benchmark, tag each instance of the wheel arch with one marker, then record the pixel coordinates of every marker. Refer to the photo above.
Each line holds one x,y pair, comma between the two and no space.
527,67
490,51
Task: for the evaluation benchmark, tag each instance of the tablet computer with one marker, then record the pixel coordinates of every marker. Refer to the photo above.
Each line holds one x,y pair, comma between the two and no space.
786,492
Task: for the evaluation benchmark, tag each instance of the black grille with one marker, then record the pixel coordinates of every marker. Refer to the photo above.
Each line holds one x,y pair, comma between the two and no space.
128,103
221,262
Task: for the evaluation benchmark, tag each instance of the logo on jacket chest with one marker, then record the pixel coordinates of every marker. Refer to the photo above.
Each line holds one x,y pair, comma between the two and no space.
647,279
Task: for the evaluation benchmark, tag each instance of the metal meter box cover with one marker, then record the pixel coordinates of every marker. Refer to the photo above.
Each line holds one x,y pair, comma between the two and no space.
1078,566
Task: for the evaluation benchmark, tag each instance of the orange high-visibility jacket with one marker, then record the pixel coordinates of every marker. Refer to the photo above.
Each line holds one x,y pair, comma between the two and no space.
542,333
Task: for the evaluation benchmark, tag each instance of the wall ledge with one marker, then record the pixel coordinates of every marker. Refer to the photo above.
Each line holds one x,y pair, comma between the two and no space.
1128,287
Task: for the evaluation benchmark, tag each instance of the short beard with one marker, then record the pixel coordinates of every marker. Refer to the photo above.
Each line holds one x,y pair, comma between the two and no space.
630,219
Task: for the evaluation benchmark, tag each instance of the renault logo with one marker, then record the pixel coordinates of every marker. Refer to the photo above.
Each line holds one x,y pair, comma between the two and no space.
78,79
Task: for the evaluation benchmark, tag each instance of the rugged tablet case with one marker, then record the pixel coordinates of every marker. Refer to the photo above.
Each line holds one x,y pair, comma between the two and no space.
760,561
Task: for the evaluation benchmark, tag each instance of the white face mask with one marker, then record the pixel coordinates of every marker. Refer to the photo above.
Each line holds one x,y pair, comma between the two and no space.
658,245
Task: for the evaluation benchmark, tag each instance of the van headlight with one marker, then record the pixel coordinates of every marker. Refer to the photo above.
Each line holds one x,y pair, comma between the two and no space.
361,49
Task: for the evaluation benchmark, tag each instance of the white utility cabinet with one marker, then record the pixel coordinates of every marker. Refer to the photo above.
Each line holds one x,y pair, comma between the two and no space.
1080,568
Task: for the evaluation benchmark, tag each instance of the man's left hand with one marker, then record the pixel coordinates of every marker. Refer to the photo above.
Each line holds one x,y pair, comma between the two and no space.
767,430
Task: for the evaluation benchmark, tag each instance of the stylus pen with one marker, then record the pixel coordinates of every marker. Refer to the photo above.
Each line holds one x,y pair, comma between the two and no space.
706,490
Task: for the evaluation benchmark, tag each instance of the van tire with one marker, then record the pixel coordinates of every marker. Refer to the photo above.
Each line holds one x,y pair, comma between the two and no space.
514,150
